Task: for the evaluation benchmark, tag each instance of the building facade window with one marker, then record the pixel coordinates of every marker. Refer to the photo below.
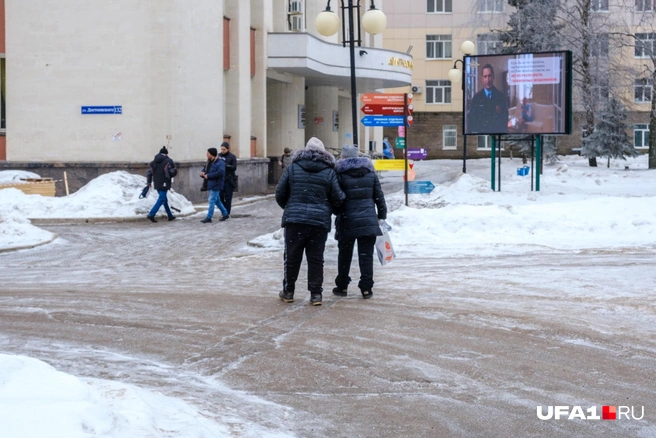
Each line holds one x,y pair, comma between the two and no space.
599,5
491,6
296,23
295,7
3,92
645,44
489,44
439,6
252,52
226,43
449,137
599,46
484,142
601,89
295,19
645,5
641,136
642,90
438,92
438,46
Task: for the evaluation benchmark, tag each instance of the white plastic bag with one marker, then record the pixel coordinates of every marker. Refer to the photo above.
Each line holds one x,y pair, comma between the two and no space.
384,247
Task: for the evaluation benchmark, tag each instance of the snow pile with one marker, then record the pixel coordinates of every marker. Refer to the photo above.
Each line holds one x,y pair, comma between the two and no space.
112,195
16,231
578,207
15,176
38,401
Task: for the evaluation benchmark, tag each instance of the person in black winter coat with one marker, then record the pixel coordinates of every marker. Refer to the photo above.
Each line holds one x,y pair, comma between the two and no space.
161,172
358,219
230,176
308,191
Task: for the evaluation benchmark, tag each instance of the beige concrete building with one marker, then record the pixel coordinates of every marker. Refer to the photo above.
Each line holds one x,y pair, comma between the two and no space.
435,30
92,87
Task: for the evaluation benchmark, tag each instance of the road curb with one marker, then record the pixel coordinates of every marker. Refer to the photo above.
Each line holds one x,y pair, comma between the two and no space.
18,248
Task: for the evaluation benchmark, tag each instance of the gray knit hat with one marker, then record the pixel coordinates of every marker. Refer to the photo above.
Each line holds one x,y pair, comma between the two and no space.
349,151
315,144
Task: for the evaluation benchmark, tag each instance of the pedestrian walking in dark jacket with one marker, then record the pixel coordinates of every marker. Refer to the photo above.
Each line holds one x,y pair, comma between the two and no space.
286,159
308,191
230,178
161,172
358,219
215,177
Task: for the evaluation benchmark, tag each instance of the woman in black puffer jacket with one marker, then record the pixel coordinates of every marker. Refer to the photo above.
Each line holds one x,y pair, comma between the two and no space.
308,191
358,219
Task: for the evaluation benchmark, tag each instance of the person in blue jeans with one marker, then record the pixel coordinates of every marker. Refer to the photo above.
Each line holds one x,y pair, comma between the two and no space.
161,172
215,176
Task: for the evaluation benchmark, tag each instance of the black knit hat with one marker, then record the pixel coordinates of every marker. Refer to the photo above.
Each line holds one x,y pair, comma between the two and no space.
213,152
225,144
164,150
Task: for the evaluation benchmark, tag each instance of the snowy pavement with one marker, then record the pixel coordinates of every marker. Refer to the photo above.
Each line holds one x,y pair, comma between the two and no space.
464,338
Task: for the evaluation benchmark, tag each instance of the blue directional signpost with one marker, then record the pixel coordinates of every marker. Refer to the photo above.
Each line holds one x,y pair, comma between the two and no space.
389,110
383,120
420,187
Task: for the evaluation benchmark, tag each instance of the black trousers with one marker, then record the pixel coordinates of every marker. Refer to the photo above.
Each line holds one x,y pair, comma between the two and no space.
312,240
226,196
366,246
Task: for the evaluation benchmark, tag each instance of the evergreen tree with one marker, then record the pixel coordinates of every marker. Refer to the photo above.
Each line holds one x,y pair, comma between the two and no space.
586,32
533,27
609,138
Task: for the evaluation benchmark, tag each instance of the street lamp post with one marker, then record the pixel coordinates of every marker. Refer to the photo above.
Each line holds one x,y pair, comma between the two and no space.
373,22
467,48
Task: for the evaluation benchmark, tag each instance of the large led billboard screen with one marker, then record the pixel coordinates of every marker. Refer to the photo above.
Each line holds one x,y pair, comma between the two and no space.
523,93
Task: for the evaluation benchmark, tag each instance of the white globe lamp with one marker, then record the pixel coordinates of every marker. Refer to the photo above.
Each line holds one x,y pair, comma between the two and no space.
455,75
374,21
327,23
467,48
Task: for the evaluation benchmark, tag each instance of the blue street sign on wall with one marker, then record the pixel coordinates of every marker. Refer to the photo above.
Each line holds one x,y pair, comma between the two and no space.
383,121
115,109
420,187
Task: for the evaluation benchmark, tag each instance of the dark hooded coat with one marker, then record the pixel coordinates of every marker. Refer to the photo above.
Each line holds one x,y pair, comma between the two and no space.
160,172
308,189
365,203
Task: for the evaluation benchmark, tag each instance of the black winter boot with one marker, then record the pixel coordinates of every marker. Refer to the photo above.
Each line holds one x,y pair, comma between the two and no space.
287,297
339,291
315,299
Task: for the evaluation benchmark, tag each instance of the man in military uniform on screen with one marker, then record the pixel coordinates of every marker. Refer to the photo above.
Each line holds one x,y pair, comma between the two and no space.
488,111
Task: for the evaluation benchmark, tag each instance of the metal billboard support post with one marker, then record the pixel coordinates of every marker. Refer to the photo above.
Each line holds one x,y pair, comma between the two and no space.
532,158
538,163
493,159
464,153
499,174
405,150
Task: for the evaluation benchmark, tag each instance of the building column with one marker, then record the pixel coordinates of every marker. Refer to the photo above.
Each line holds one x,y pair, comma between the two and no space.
285,93
345,121
260,9
238,79
320,102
